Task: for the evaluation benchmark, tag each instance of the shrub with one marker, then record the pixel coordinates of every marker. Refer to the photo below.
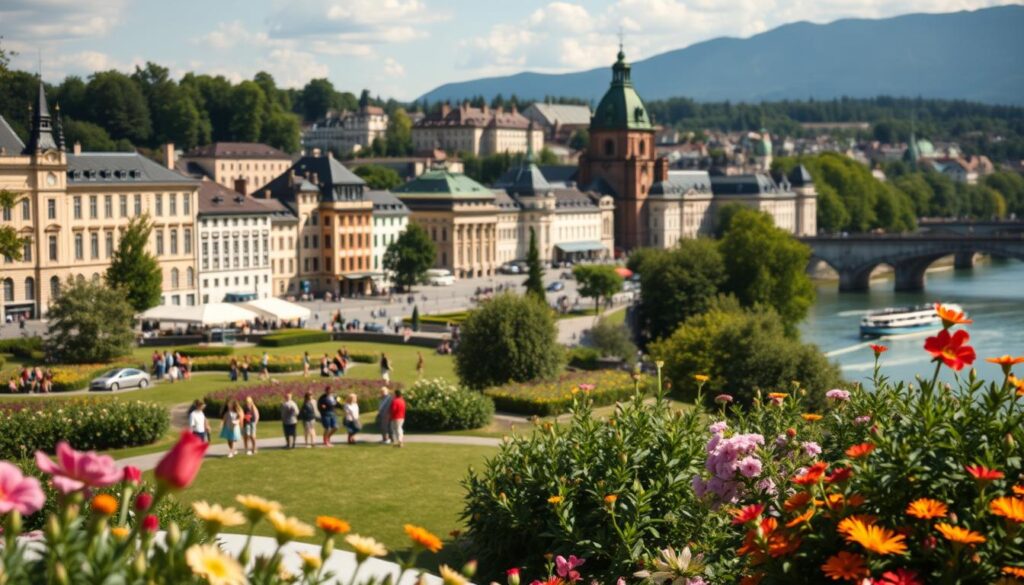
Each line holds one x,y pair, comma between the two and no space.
3,362
204,350
454,318
438,405
545,491
584,358
613,340
23,347
89,323
84,423
277,364
269,397
294,337
544,398
508,339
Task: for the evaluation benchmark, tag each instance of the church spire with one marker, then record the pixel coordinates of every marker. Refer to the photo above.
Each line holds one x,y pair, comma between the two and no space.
41,136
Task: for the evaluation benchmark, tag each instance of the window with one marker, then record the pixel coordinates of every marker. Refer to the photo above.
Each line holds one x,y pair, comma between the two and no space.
327,241
53,249
174,278
159,242
94,245
190,300
305,242
174,241
8,290
109,237
26,210
190,277
316,264
79,252
124,206
7,214
609,147
206,258
93,207
188,238
176,300
172,204
108,206
77,203
158,204
30,289
186,204
51,209
54,287
138,205
316,241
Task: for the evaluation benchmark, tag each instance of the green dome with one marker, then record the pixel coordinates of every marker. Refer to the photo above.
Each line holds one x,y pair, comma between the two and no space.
621,107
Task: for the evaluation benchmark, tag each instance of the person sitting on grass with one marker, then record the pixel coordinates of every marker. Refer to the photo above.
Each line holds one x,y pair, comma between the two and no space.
326,405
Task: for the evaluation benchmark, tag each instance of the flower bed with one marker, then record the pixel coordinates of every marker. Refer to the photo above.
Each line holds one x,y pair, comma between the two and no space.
439,405
294,337
269,397
67,378
276,363
87,423
546,398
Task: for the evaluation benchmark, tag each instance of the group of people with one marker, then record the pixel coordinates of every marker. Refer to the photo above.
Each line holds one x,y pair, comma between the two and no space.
239,420
174,366
241,368
31,380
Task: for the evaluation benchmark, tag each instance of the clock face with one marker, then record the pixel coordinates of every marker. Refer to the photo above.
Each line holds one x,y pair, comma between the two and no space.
51,179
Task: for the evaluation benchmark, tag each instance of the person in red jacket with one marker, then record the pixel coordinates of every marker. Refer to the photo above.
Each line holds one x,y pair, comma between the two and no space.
397,418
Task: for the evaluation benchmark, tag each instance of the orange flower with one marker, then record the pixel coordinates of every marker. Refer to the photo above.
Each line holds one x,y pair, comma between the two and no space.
104,504
1010,508
812,475
846,524
983,474
861,450
840,475
423,538
1019,490
845,566
878,349
801,519
781,544
797,501
951,316
1014,571
927,509
874,538
811,417
555,500
959,535
1006,362
748,514
754,579
331,525
610,499
854,500
951,349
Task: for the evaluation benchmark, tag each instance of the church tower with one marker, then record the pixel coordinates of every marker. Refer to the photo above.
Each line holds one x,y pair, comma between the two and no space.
621,160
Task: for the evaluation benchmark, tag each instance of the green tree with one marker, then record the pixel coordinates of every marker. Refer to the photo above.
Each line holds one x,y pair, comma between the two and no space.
764,265
318,96
408,258
378,177
248,118
117,103
398,137
91,136
742,351
510,338
534,272
133,269
597,281
676,284
547,157
416,318
89,323
612,340
580,139
10,243
281,130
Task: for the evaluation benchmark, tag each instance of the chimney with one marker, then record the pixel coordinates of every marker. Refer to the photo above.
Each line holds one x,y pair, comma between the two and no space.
77,148
484,108
169,155
266,193
661,169
240,186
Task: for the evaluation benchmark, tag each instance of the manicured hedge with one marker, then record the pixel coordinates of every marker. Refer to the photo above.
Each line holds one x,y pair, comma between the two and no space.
28,348
439,405
277,364
38,424
204,350
545,398
584,358
294,337
269,397
454,318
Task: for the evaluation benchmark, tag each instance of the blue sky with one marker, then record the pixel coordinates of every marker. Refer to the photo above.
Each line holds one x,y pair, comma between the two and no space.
398,48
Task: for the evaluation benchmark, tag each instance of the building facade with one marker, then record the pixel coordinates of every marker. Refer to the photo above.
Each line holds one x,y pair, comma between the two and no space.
558,121
240,166
478,131
347,132
390,218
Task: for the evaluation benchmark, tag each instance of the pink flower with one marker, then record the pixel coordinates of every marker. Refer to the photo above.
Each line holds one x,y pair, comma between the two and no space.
151,524
143,501
132,475
723,399
566,567
180,465
749,466
811,448
862,420
18,492
838,395
76,470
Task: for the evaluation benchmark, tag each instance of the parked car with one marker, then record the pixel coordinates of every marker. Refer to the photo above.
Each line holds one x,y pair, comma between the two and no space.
114,380
508,268
556,286
373,328
440,277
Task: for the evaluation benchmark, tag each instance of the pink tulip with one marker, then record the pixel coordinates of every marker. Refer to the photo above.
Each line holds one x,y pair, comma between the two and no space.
132,475
180,465
76,470
18,492
143,501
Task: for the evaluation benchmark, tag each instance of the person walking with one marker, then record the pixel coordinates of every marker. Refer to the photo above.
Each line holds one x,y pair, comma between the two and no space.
250,417
289,420
231,425
265,366
385,368
352,424
384,415
420,365
245,368
398,419
305,364
308,416
197,422
326,405
233,375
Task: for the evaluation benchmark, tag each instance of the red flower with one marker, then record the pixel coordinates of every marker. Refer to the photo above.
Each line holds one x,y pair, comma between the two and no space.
900,576
143,501
982,473
150,524
878,349
951,349
812,475
748,514
861,450
181,464
132,475
840,475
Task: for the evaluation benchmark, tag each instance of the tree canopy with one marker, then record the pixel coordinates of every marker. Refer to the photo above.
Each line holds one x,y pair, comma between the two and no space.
134,269
408,258
597,281
89,323
378,177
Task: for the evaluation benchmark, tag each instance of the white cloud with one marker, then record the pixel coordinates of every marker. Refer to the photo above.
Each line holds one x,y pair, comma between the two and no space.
59,20
393,68
360,21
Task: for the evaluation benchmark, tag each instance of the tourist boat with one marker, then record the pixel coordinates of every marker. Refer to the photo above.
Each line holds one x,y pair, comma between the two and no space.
896,320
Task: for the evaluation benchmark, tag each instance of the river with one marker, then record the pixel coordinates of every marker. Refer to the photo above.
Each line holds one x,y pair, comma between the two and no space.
992,294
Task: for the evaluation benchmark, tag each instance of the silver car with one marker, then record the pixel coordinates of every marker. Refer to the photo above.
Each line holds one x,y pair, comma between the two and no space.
120,378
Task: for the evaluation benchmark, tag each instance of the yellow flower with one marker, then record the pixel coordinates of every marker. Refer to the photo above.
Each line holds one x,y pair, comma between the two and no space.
927,509
288,528
423,538
1010,508
555,500
811,417
874,538
331,525
959,535
215,517
120,532
207,561
310,562
777,395
256,507
451,577
701,378
365,547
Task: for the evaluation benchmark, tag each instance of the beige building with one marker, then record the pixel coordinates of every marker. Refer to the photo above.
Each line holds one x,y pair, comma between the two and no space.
72,207
347,132
227,163
478,131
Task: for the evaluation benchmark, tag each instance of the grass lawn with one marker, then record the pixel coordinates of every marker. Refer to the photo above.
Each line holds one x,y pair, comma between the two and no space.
374,487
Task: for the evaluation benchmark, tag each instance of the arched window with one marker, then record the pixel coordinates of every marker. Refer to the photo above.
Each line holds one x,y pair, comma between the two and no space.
174,278
80,278
643,147
190,277
8,290
54,287
609,147
30,289
95,277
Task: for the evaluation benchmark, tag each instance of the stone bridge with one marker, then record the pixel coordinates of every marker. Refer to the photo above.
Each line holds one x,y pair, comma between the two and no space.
970,227
855,257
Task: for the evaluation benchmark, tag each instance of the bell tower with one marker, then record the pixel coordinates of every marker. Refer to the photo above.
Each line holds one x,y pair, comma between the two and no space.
620,160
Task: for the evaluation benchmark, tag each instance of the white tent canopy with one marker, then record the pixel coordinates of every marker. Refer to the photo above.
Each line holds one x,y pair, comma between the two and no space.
208,314
274,308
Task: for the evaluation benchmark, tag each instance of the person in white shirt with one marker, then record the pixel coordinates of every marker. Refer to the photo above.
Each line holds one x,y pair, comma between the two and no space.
197,422
351,421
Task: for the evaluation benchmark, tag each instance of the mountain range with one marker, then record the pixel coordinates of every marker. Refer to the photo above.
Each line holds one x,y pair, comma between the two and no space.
971,55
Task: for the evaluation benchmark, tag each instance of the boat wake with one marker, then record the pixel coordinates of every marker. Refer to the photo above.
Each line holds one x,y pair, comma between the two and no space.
864,344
